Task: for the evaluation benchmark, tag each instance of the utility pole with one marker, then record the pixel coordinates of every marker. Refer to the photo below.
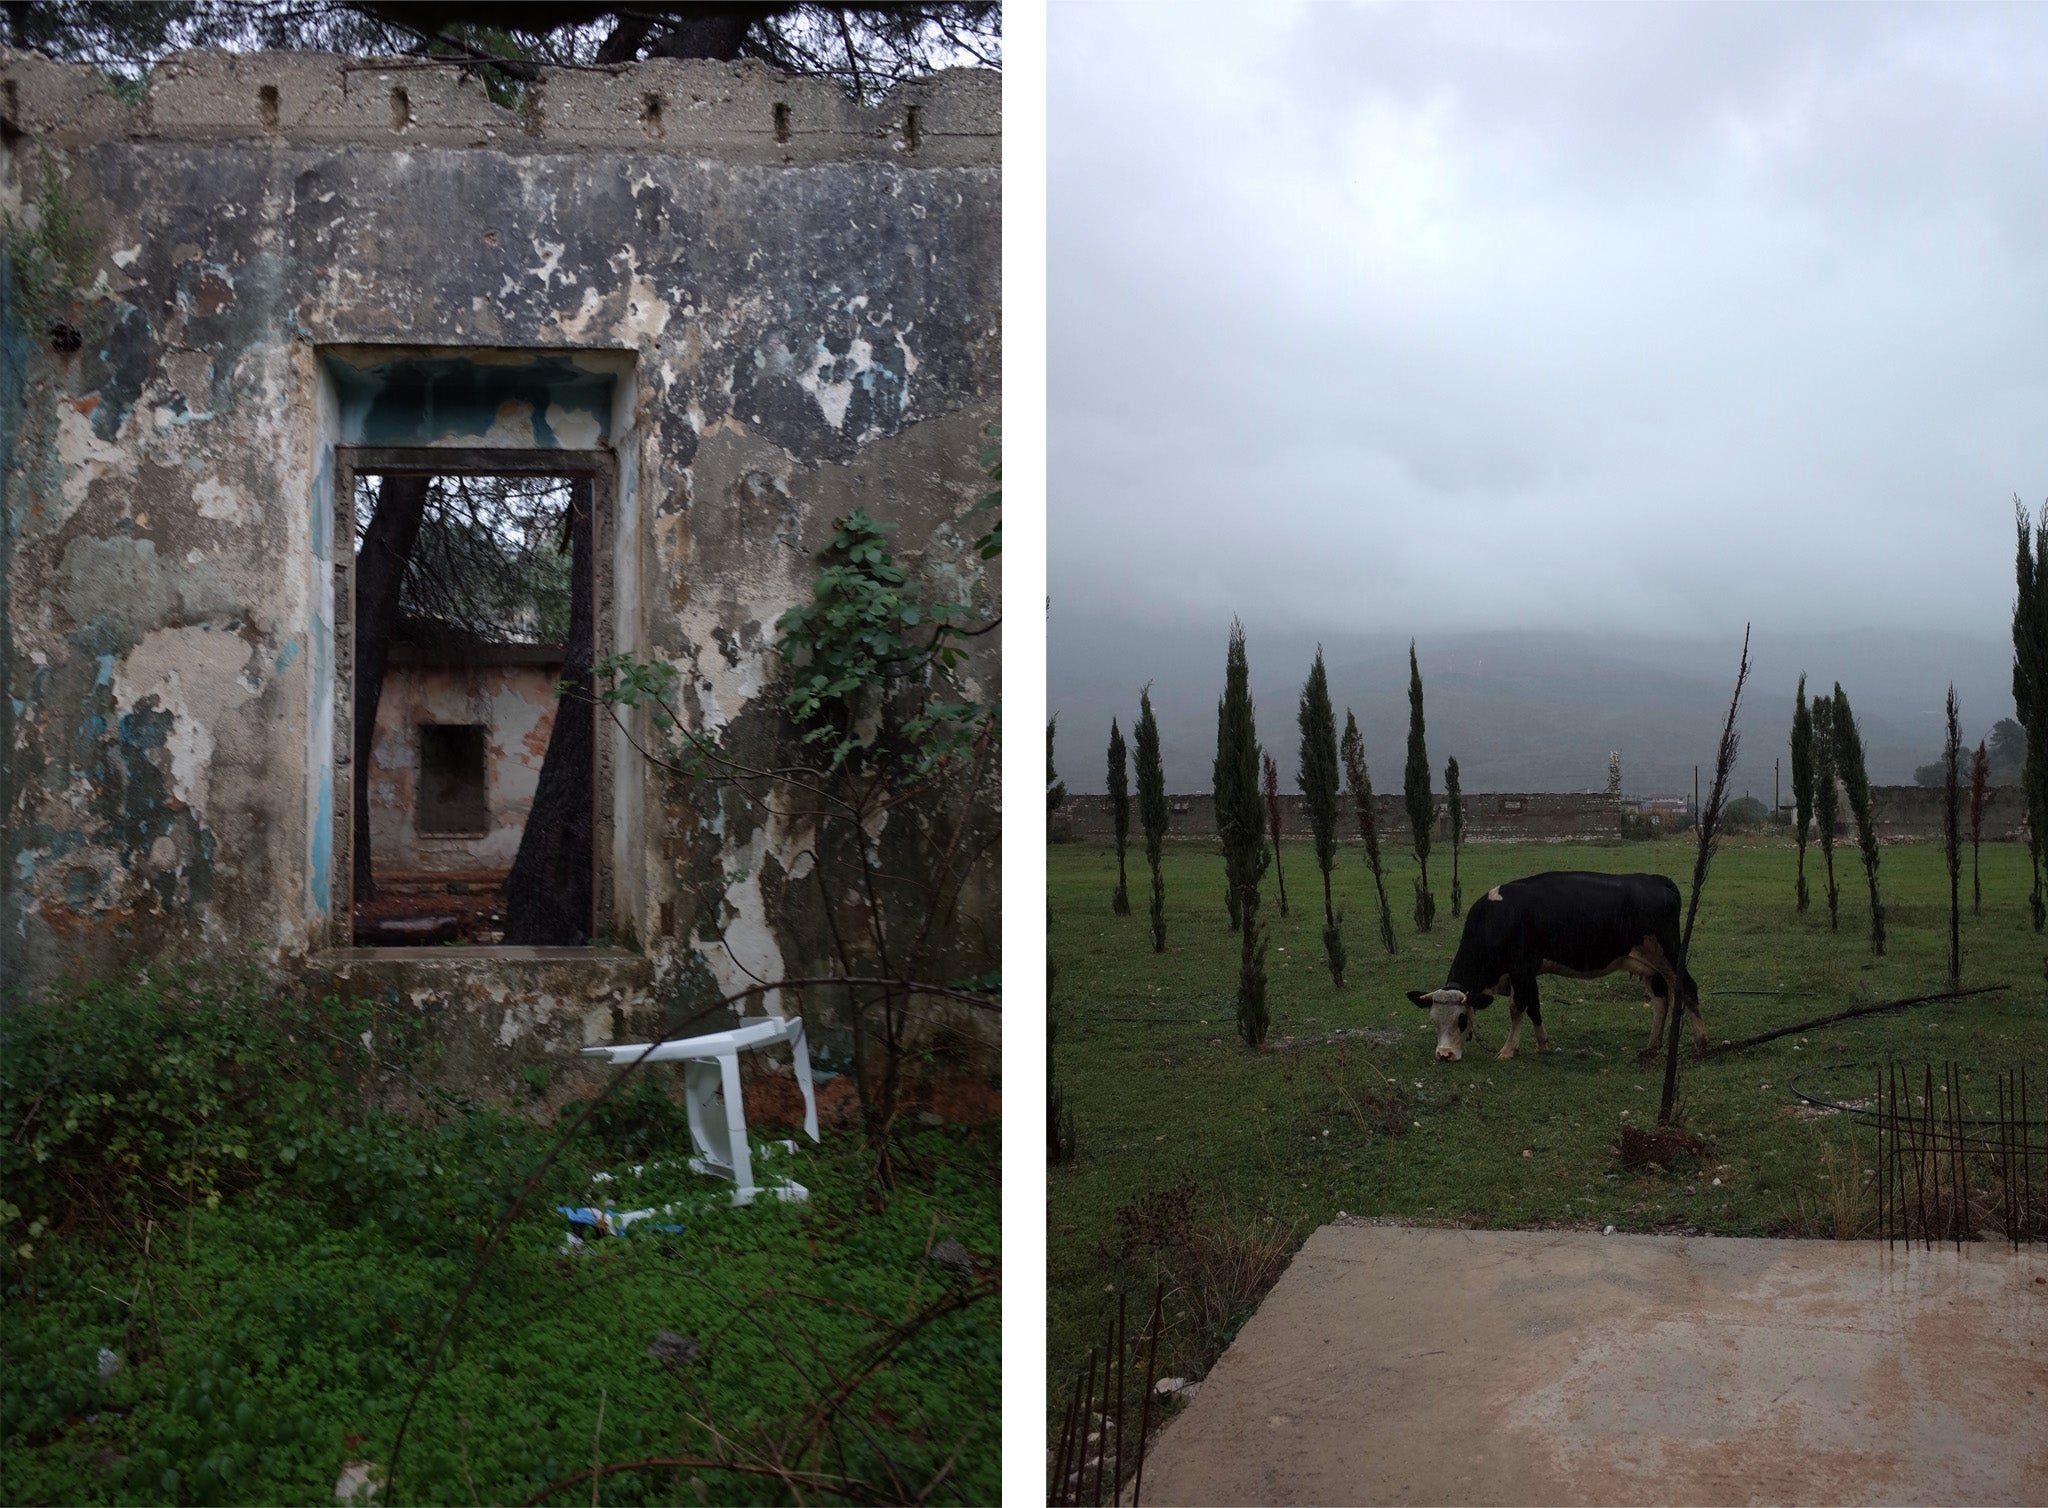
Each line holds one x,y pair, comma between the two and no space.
1774,790
1695,795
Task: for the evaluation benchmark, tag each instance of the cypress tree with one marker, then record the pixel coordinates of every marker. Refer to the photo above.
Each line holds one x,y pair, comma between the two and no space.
1980,797
1802,779
1055,788
1241,822
1849,760
1152,812
1221,774
1952,812
1317,777
1272,779
1826,797
2030,682
1421,803
1119,816
1360,780
1454,799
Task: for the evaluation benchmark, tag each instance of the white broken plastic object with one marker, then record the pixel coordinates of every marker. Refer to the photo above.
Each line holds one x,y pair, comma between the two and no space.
109,1364
358,1482
711,1063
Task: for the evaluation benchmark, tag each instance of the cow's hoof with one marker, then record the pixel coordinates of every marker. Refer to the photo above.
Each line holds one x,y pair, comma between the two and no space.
1504,1054
1647,1056
1543,1044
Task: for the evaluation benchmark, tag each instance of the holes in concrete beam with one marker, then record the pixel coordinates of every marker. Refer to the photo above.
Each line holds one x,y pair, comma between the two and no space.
650,118
266,106
781,122
401,110
913,127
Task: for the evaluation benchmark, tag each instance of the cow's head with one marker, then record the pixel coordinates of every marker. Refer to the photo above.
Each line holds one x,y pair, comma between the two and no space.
1450,1009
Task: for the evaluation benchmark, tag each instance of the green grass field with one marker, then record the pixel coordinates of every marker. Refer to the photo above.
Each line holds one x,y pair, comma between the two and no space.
1278,1142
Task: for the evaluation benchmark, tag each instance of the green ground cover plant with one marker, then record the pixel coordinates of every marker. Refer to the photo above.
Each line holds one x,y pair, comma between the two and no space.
224,1268
1204,1166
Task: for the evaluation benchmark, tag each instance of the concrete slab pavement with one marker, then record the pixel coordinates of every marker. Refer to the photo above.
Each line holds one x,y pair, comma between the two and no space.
1397,1365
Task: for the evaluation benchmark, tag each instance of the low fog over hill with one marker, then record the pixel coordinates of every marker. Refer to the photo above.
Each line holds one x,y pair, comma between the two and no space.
1526,711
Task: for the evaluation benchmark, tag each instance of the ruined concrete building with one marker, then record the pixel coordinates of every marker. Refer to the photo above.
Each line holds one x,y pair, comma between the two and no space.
725,306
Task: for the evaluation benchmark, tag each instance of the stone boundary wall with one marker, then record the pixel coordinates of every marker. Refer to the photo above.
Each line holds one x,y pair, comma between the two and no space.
740,113
1904,814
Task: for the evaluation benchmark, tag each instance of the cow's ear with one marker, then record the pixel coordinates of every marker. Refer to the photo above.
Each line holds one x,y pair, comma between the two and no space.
1421,998
1481,1001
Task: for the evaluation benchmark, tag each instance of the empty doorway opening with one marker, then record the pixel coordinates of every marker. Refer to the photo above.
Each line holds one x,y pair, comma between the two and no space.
471,811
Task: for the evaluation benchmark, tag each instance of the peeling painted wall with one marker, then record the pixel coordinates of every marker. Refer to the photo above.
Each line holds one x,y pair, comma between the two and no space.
765,324
515,704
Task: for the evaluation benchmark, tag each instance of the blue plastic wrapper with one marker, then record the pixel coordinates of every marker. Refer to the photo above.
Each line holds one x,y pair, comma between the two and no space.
602,1222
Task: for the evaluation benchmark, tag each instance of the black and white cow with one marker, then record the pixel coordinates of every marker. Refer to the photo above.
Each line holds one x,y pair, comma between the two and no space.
1578,925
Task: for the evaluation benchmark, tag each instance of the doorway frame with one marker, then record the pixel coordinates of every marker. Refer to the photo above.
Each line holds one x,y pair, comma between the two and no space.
600,468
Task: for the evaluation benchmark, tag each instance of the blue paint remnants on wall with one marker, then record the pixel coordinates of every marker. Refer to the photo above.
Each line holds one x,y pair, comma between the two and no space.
424,400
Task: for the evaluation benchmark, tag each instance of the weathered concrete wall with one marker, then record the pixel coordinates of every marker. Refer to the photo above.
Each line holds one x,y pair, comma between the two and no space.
768,305
516,704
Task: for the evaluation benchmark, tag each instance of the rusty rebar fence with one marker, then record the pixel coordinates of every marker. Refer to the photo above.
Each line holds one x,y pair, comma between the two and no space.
1089,1458
1947,1173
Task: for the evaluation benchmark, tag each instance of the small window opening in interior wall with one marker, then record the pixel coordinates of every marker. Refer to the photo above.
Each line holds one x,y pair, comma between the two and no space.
472,815
913,127
650,117
401,110
454,797
782,122
266,105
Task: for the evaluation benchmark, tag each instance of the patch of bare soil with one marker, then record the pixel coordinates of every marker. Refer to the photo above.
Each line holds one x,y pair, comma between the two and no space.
1661,1146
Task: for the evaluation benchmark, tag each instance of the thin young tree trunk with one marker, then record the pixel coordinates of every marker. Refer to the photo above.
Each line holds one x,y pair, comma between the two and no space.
548,895
1709,839
1952,825
381,563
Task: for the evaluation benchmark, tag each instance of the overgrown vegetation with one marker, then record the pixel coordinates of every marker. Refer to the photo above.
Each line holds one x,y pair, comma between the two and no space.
897,748
50,254
226,1261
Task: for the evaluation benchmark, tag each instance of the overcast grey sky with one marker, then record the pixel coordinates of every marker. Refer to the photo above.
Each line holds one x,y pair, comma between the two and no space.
1649,319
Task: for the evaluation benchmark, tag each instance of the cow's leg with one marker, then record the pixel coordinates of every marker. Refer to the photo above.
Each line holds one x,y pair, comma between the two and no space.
1681,986
1527,986
1514,1027
1660,1000
1689,992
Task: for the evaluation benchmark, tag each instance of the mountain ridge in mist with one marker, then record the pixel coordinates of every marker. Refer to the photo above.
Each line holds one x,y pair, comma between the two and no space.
1521,711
